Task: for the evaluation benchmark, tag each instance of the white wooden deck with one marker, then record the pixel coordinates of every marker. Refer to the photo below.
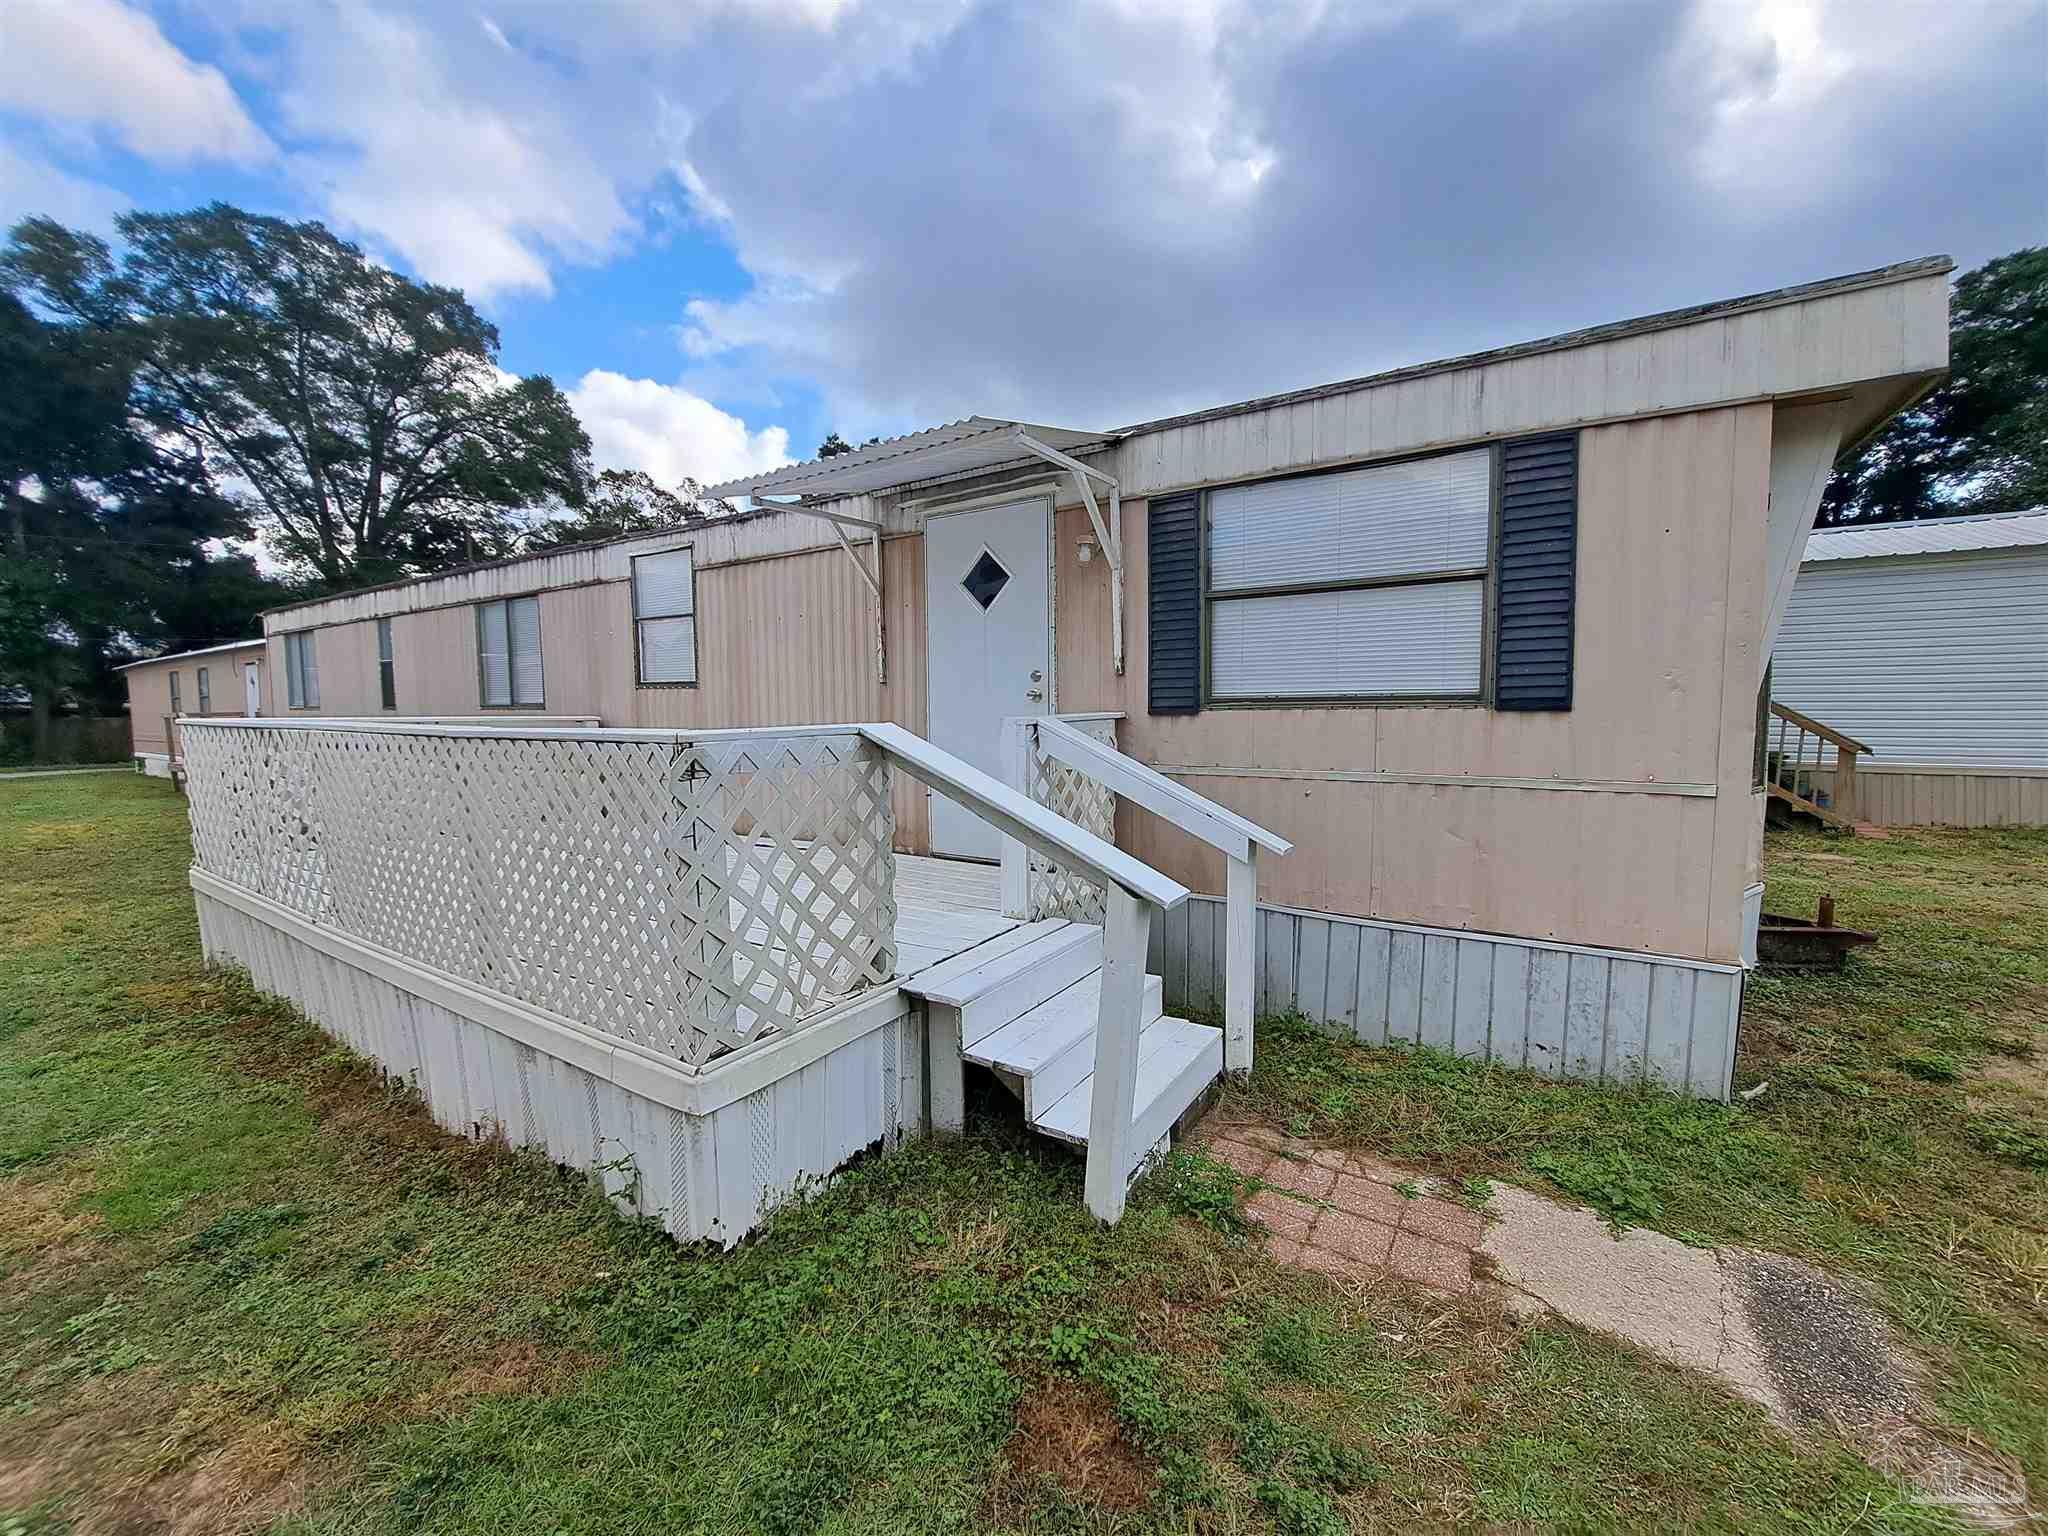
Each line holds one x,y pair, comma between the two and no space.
944,906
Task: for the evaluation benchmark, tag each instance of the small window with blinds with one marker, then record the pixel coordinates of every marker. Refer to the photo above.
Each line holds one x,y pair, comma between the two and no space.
1364,584
508,653
665,617
301,671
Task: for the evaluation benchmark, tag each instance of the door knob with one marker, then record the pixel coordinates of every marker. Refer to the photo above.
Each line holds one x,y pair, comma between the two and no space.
1034,693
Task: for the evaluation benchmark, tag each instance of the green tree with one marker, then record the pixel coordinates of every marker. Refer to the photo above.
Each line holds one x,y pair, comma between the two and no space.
623,501
1979,443
105,525
361,414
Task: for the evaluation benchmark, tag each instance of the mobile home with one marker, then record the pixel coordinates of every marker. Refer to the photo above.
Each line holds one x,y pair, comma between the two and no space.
1927,643
227,679
1457,670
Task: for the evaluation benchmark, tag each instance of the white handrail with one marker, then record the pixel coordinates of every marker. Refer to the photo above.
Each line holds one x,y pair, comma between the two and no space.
1017,815
1124,775
1239,840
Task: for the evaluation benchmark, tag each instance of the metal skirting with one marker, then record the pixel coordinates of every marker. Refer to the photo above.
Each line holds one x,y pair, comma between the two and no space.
714,1175
1560,1009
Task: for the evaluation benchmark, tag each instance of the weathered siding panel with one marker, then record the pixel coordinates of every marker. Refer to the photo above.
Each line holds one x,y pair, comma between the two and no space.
1628,1020
1894,328
1940,795
790,641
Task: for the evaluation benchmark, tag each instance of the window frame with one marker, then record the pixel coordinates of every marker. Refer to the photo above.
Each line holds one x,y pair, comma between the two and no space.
204,689
696,629
177,705
295,670
1487,576
511,668
387,666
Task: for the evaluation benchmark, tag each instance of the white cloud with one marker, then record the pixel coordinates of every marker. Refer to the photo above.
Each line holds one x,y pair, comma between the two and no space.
31,187
470,161
1091,211
669,432
83,65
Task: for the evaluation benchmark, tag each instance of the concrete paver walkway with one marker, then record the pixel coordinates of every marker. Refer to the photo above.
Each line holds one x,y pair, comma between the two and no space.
1348,1215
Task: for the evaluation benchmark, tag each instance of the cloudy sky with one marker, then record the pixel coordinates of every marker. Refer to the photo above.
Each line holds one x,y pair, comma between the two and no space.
729,226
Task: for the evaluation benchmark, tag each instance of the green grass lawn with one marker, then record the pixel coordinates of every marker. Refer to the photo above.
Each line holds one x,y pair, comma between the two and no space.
243,1283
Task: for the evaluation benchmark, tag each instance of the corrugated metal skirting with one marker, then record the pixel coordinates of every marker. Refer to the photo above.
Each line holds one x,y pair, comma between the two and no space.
1565,1011
712,1176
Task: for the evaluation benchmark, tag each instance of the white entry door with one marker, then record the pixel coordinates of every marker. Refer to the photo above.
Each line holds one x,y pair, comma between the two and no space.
990,646
252,689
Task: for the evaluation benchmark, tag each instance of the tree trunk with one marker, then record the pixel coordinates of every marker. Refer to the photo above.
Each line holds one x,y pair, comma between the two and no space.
37,678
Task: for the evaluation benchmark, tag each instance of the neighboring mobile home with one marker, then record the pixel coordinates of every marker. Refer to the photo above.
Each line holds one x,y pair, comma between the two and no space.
229,679
1928,642
1459,667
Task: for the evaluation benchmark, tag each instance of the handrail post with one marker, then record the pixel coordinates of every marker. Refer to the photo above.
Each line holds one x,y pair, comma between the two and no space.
1845,783
1127,932
1240,959
1016,865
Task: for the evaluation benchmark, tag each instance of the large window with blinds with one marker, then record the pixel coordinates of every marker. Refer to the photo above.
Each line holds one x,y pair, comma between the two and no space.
1361,584
508,653
665,617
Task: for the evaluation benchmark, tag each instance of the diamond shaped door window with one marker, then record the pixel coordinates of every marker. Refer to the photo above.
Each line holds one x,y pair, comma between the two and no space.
985,580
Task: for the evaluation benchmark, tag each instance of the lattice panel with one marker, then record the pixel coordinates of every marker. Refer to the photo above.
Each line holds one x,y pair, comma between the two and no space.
689,894
786,876
1055,890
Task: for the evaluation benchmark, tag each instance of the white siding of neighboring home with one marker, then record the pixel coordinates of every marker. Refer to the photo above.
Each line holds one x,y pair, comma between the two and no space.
1928,659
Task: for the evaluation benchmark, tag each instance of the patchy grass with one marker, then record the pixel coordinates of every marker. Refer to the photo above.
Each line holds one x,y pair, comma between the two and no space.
1903,1134
245,1284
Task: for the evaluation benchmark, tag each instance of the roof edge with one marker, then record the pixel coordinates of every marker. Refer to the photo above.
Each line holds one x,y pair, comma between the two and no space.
203,650
1663,320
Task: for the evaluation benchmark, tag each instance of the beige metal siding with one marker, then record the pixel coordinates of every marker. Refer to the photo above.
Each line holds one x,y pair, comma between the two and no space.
1877,333
790,641
1670,613
1942,796
149,691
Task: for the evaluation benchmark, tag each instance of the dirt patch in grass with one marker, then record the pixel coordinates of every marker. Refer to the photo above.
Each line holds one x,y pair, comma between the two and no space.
1068,1435
516,1368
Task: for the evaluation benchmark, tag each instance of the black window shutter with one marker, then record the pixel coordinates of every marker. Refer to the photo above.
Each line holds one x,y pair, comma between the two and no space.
1173,628
1539,535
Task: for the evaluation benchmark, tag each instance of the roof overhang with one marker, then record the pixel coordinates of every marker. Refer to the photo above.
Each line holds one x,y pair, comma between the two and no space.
205,650
978,445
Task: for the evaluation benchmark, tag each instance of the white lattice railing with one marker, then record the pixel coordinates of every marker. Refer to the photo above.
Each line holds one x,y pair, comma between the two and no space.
1052,888
691,893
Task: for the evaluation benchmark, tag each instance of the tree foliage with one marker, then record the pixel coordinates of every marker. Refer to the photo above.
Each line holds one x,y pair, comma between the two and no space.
362,414
624,501
105,525
1979,443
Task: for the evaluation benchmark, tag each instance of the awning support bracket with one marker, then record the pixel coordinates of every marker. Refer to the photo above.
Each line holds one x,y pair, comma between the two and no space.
870,577
1110,535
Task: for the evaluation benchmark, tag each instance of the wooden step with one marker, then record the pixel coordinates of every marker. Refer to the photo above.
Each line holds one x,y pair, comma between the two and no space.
1045,1052
1177,1060
1005,986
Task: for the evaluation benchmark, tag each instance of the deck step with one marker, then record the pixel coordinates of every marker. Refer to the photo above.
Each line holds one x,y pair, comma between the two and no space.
1046,1052
1008,985
1177,1060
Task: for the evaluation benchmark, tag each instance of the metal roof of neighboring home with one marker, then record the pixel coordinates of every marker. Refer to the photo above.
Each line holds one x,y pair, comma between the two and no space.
1931,536
205,650
957,448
